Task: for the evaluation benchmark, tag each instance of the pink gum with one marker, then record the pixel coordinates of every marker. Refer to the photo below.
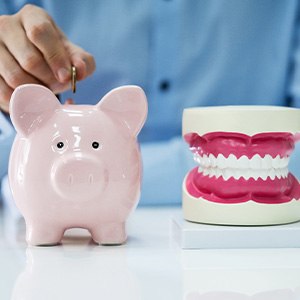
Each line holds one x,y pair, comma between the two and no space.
275,143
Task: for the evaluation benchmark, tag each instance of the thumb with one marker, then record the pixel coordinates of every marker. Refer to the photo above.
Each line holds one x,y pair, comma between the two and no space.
69,101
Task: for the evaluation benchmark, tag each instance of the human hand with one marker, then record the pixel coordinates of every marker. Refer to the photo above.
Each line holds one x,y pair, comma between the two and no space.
34,50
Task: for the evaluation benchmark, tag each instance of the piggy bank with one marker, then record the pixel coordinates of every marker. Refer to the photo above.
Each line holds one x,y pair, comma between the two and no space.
76,165
242,176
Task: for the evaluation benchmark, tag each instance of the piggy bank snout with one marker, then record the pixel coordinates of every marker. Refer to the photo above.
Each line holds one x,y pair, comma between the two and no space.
79,178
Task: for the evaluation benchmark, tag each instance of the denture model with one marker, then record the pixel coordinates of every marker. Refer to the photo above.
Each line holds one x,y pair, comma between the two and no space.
242,177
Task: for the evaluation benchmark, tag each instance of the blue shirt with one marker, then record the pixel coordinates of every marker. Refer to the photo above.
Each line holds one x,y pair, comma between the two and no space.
183,54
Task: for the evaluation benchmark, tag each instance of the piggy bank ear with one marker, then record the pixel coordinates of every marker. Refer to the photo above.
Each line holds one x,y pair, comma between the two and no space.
31,105
128,105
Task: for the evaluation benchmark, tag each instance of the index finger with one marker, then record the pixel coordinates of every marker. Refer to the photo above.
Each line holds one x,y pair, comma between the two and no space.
42,32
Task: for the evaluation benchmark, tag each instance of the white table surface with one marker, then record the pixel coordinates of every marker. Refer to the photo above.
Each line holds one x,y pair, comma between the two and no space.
150,265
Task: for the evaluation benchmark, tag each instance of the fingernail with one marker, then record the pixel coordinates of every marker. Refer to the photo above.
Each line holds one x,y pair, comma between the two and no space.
58,87
69,101
63,75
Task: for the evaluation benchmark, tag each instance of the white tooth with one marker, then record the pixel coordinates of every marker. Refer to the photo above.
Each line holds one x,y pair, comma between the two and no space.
285,173
281,163
266,162
245,174
200,169
235,173
243,162
232,161
213,160
255,162
205,161
284,162
218,173
221,173
264,174
211,173
276,162
255,174
221,161
206,172
197,158
278,173
226,174
272,174
239,174
201,162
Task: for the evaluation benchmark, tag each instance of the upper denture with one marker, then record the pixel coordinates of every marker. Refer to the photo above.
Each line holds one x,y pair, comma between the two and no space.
226,143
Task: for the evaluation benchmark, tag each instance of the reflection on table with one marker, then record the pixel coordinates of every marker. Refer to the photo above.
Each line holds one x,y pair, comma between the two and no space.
151,265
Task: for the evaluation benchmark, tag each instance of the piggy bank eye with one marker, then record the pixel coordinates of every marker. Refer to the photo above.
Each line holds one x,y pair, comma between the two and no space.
95,145
60,145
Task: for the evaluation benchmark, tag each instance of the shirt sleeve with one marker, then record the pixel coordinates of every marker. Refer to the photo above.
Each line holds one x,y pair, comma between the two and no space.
164,166
8,7
293,92
294,165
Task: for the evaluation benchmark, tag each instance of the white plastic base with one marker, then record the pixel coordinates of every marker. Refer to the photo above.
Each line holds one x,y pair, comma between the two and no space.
248,213
191,235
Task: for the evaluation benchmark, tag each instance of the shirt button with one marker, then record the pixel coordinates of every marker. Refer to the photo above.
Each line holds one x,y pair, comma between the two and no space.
164,85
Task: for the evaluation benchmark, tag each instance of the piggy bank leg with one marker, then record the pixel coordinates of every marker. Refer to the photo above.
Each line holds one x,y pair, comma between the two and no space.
112,233
43,234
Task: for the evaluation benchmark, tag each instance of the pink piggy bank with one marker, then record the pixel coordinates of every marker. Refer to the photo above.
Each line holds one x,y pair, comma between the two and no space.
76,165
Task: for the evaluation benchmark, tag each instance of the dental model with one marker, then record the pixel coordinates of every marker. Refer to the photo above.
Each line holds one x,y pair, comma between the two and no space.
242,176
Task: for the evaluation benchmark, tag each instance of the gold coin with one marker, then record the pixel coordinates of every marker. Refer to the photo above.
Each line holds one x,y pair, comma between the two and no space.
73,79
